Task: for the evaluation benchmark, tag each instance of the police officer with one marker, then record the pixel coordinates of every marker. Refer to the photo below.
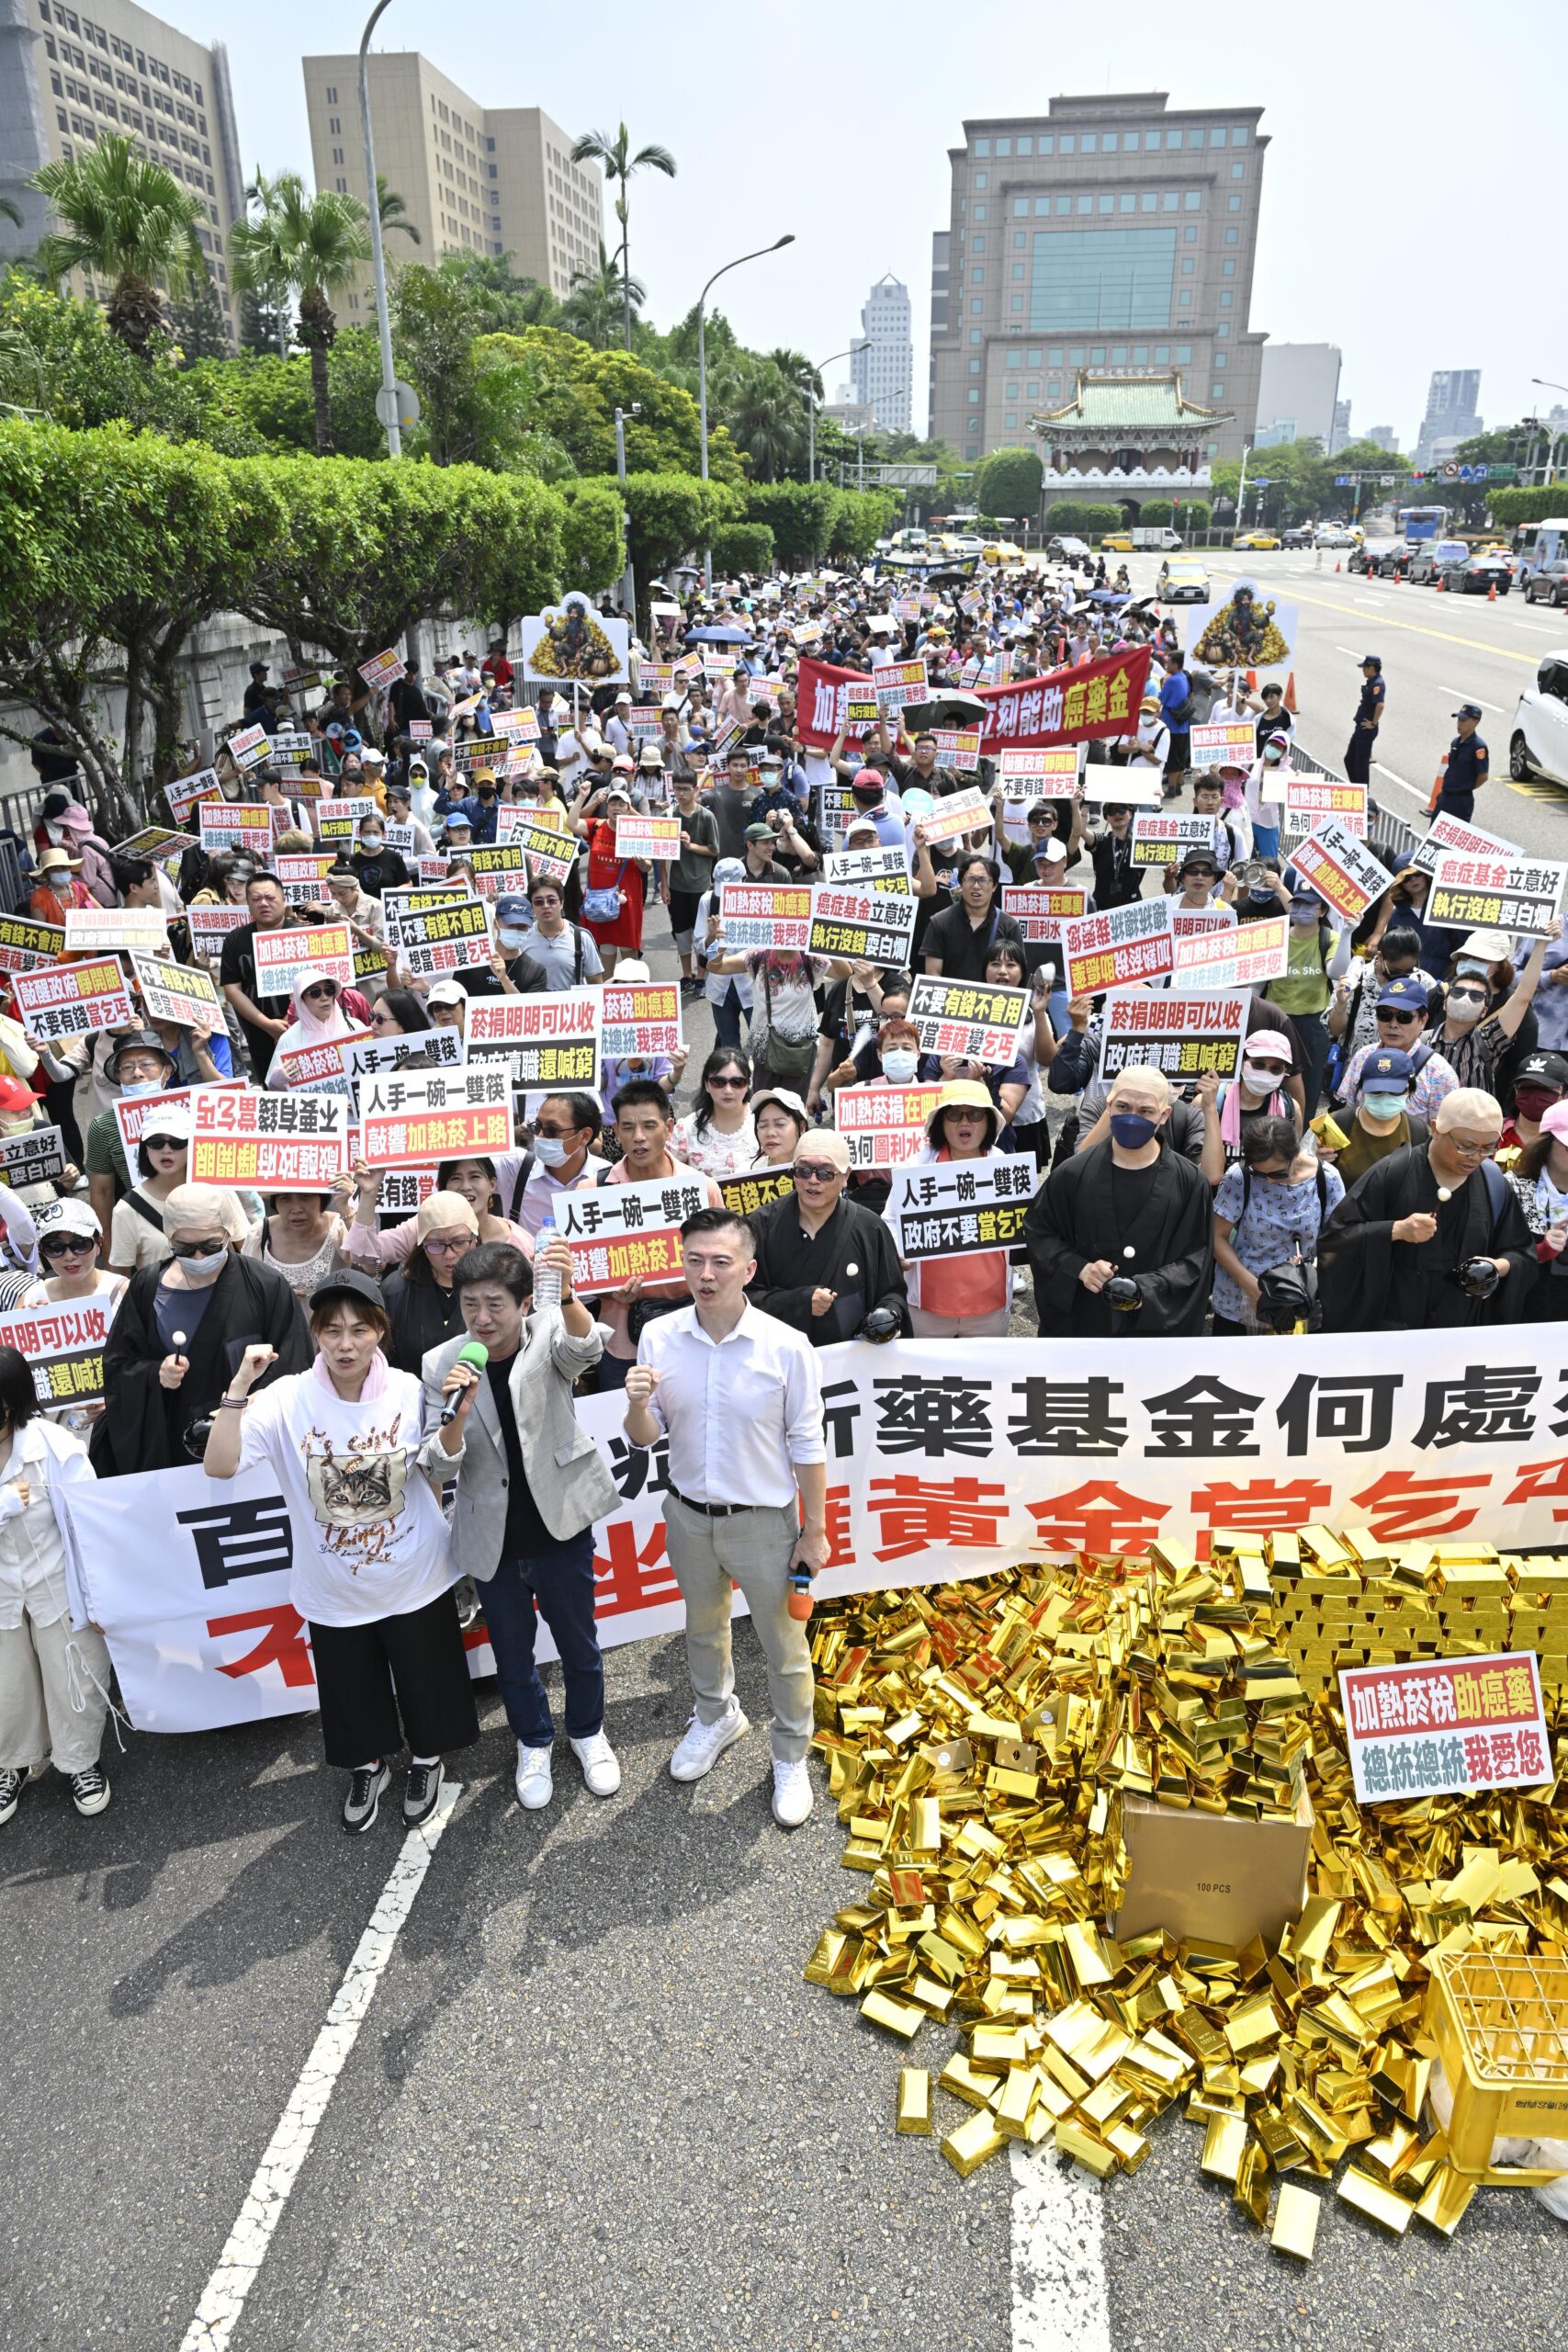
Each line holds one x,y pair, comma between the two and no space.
1470,763
1368,719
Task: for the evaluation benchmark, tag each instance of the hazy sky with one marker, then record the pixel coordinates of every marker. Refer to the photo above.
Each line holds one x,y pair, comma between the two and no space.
1408,228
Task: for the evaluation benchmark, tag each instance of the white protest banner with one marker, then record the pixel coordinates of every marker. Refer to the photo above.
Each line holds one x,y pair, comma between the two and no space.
104,931
863,927
267,1142
1308,798
1445,1727
498,867
1446,832
236,824
401,838
640,1017
62,1345
35,1156
620,1232
899,683
73,1000
136,1116
883,1125
282,955
550,854
183,993
1340,868
415,1118
884,870
860,710
325,1066
641,836
1051,775
383,669
1164,838
1207,964
1226,743
1138,786
955,1208
183,795
765,914
403,1191
247,747
976,1021
1114,949
515,817
420,730
836,811
156,841
958,747
441,939
421,1049
293,749
1183,1035
303,874
549,1039
1521,896
1040,911
210,926
958,812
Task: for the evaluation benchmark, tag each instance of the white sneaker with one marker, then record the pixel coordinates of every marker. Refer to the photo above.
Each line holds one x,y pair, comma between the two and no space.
793,1796
535,1787
601,1771
705,1743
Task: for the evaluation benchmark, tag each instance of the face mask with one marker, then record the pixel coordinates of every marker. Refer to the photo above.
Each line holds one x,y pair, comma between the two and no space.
140,1086
1273,757
1383,1107
371,843
1466,1008
1131,1129
549,1151
1531,1105
1260,1081
511,938
1304,916
899,1063
16,1123
199,1268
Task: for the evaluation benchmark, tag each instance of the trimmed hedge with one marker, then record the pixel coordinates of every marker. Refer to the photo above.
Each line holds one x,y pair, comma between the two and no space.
1081,521
743,546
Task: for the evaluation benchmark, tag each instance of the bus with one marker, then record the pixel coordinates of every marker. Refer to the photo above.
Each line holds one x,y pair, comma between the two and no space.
1419,524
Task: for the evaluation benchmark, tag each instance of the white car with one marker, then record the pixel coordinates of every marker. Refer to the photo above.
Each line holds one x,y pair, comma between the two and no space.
1539,743
1334,536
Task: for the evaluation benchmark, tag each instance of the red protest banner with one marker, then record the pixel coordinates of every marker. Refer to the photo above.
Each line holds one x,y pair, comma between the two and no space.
1095,698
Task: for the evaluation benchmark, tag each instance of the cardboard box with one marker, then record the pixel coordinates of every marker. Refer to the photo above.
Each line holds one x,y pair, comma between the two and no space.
1213,1876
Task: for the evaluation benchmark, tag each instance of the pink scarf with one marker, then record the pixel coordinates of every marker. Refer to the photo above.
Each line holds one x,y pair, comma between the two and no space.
1229,1113
375,1387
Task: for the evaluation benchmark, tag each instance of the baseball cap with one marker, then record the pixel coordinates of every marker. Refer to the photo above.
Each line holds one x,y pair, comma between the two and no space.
1492,946
624,697
15,1096
446,993
787,1099
1269,1042
1468,710
759,832
372,757
1150,702
69,1215
173,1120
512,908
1050,851
623,763
458,823
1545,1069
1402,996
348,1283
769,760
1387,1067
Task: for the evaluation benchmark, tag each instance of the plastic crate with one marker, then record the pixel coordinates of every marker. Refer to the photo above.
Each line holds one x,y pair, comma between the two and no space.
1500,2022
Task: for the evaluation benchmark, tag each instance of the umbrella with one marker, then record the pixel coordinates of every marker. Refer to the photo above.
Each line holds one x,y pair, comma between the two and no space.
719,636
947,708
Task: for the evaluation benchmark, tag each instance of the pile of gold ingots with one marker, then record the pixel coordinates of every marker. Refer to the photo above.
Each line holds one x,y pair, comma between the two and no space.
980,1738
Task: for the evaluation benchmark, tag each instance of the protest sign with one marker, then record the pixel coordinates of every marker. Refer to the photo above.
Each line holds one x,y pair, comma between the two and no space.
1095,698
1519,895
73,1000
303,876
183,795
514,816
383,669
1308,798
975,1021
1340,868
1139,787
620,1232
550,854
968,811
267,1141
640,1017
1224,743
210,926
1041,776
862,926
1040,912
550,1039
957,748
836,811
1162,838
570,643
883,1125
423,1049
860,710
325,1066
1244,628
183,993
955,1208
496,867
403,1190
883,870
744,1195
641,836
282,955
1445,1727
765,914
337,822
443,938
369,963
1114,949
104,931
1446,832
1182,1035
401,838
156,842
236,824
35,1156
293,749
899,683
1207,964
415,1118
248,747
63,1346
136,1116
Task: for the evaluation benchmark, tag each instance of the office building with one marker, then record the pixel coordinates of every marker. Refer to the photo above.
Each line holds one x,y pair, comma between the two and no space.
1341,433
68,79
1453,403
884,366
1299,385
1106,236
1382,436
475,179
941,241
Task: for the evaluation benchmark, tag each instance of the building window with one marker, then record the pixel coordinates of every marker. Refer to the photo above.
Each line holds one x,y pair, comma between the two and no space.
1239,171
973,366
1226,299
979,179
1194,139
1053,389
1009,421
1046,146
1108,204
1169,200
1018,269
1087,144
1216,138
1233,236
1148,201
1026,146
1020,241
1232,204
1190,236
979,213
974,335
337,154
1186,302
1020,207
1064,204
974,394
975,307
1004,146
1188,266
1107,142
978,246
1183,355
1015,359
1097,355
1055,359
1162,355
1220,359
332,95
1239,136
982,146
334,124
1216,391
1191,199
1086,204
342,188
977,277
1129,203
1075,357
1224,328
1032,391
1015,302
1172,139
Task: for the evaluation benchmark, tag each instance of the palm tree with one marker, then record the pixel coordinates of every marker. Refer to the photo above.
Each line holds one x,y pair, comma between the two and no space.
315,246
11,212
391,208
798,370
597,300
765,415
619,163
273,298
125,219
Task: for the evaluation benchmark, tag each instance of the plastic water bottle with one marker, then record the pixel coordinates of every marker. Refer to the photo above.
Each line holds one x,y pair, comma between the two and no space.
546,1279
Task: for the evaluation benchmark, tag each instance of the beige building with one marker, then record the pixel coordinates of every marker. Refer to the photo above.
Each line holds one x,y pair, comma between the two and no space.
67,78
475,180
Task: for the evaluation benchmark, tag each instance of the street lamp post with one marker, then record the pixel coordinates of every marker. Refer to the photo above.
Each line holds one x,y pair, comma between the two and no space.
852,351
1547,384
378,258
629,579
703,359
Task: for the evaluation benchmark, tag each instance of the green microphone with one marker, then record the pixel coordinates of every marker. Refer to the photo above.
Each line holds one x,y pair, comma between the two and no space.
474,1353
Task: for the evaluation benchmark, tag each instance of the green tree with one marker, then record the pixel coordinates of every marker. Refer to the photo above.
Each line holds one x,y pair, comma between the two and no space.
671,515
766,417
393,212
1009,484
593,308
264,308
197,322
317,246
125,219
800,516
620,166
478,405
593,550
743,547
859,519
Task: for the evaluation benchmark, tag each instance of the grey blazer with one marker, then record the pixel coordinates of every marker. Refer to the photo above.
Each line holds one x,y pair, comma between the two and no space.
565,1469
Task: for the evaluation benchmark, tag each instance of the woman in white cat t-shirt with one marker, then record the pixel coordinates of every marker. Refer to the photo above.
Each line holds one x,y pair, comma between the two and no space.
372,1574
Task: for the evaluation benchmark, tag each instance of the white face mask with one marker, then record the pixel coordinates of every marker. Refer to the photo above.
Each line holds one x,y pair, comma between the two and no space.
899,1063
202,1269
1260,1081
550,1150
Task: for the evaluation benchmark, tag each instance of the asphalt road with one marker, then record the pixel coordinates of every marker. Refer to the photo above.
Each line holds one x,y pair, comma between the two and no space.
593,2104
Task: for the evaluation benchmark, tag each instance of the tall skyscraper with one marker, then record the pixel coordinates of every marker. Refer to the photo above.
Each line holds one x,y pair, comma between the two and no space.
475,179
66,80
1110,234
1382,436
1299,385
884,368
941,240
1453,403
1341,435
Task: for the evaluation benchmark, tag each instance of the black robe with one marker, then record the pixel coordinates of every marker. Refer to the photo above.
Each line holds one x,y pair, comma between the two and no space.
1368,1281
1072,1221
790,1267
142,1425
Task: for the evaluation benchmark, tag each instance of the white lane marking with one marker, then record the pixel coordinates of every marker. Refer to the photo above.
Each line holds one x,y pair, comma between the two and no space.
223,2298
1059,2298
1464,695
1415,793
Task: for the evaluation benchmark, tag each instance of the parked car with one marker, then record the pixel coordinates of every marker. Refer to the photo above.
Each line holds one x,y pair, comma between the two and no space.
1298,536
1256,539
1067,549
1116,543
1547,584
997,552
1539,743
1335,535
1430,558
1392,562
1367,557
1477,575
1183,580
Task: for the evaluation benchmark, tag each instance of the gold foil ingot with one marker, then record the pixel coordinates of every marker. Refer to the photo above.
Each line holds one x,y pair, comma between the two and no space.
915,2099
1295,2221
1382,2205
1222,2144
896,2016
969,2145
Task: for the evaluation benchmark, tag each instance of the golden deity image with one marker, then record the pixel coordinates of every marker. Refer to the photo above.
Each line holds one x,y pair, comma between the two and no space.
572,645
1242,633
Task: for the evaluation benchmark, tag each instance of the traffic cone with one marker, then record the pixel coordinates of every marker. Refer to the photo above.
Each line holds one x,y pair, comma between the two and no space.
1338,567
1437,783
1492,593
1252,681
1290,693
1442,585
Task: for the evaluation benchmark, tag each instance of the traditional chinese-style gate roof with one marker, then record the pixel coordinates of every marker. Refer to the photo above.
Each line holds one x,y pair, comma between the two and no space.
1120,407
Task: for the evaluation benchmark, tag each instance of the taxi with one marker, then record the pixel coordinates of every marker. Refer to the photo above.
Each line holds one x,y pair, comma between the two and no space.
1256,539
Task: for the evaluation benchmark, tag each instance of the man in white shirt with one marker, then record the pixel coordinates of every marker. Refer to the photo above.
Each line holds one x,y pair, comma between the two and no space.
617,727
740,1397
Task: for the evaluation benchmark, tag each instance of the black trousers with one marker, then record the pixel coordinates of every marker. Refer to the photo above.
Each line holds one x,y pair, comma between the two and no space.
413,1667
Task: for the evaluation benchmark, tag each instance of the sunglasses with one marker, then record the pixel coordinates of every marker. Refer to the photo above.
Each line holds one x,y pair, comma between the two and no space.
811,1172
196,1248
323,987
726,1081
67,1245
1402,1020
163,1143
